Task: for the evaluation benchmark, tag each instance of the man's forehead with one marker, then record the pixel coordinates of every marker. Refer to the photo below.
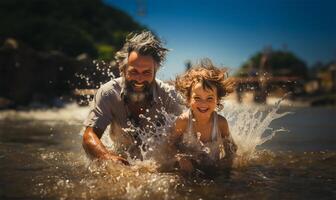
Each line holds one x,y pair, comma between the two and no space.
137,57
140,67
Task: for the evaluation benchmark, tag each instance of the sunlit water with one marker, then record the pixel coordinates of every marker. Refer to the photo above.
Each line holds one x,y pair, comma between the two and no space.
281,155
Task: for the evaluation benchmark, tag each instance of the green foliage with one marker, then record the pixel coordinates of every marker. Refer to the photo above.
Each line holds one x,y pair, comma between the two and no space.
69,26
105,52
278,63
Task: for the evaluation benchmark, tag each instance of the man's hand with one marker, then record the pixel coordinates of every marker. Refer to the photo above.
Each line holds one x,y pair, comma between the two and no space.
115,158
96,149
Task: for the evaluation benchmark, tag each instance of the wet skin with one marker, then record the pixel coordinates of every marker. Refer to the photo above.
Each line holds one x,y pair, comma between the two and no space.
202,103
140,69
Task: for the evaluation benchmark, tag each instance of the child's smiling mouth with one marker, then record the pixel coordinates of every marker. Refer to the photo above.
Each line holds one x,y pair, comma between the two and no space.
203,110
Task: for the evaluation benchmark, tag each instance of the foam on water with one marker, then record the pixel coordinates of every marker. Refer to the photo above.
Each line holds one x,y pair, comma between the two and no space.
105,179
71,114
250,126
247,123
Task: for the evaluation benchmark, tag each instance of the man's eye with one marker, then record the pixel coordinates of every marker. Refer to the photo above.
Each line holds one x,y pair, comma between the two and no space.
133,72
148,73
197,98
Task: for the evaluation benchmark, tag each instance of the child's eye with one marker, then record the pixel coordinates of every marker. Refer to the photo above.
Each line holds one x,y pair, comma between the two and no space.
197,98
210,98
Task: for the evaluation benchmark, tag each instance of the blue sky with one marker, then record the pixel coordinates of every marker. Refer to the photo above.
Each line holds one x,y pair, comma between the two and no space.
230,31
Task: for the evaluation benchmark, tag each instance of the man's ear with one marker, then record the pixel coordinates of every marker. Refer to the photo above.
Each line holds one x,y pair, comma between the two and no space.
125,69
156,68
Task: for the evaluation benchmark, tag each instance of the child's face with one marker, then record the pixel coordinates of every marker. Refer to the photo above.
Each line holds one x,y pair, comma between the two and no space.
203,101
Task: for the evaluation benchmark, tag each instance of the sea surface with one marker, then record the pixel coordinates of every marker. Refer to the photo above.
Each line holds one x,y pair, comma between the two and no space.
41,157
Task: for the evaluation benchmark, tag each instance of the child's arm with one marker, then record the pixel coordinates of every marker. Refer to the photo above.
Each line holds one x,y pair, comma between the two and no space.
175,136
177,130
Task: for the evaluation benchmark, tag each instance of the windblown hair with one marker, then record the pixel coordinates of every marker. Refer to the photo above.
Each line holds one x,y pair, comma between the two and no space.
146,44
209,75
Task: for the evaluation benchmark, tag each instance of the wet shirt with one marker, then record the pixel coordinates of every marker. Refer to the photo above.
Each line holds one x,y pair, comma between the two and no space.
213,149
208,153
109,108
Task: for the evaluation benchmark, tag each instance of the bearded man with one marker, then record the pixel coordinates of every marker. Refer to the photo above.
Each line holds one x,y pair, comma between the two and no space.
122,101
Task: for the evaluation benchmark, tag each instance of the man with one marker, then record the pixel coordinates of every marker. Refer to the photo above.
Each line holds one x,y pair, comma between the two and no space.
120,102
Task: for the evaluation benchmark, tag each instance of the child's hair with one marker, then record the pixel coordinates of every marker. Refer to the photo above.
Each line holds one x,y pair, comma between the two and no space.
209,75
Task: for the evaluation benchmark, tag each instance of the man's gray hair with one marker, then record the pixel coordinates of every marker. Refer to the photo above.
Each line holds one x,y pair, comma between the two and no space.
146,44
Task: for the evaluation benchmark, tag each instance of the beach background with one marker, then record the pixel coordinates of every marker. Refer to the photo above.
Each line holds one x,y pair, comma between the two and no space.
282,55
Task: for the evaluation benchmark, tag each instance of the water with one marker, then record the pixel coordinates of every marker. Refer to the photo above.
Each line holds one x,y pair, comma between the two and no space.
41,158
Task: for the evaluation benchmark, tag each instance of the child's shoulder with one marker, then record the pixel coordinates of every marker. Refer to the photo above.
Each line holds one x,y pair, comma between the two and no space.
181,123
223,125
221,119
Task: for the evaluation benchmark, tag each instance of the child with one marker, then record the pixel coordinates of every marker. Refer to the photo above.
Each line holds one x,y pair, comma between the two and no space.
201,135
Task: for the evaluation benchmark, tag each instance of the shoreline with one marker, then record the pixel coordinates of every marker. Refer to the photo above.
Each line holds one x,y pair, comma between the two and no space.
246,99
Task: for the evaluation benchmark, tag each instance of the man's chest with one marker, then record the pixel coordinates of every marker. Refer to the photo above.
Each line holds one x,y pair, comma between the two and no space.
143,117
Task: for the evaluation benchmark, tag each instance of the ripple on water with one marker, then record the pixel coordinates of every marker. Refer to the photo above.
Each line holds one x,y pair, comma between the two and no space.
62,172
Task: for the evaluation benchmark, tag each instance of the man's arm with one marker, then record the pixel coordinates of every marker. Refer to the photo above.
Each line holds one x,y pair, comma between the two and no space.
95,148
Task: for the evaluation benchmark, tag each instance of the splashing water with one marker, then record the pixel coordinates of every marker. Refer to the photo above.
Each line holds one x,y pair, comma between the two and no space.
73,177
248,126
60,169
142,179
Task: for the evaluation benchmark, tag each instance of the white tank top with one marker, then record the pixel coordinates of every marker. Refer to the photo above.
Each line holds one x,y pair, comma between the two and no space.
213,148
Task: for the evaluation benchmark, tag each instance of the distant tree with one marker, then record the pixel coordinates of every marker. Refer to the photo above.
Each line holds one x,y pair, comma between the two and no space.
72,27
320,67
47,47
278,63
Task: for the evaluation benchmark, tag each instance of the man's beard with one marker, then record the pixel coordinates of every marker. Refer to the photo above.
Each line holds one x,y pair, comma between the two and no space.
133,96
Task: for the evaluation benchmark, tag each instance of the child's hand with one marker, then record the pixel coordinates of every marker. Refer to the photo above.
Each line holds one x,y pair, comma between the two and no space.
186,165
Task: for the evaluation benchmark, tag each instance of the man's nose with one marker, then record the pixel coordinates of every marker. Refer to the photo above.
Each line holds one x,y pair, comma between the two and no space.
139,79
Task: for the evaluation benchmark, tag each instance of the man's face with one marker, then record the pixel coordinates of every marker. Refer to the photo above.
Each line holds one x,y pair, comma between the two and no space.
140,71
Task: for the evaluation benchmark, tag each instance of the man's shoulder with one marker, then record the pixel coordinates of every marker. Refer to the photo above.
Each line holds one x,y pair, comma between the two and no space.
111,87
166,88
164,85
